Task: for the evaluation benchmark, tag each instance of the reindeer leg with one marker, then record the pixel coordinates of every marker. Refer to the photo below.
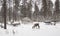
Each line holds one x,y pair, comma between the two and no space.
54,23
38,26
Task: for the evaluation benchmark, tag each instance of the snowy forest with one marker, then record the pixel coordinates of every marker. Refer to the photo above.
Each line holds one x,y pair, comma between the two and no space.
29,17
29,11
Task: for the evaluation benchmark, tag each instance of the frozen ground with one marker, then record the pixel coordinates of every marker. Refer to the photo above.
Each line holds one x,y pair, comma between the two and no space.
26,30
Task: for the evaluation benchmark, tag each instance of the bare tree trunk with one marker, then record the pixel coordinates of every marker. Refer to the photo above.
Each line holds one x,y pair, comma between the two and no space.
4,6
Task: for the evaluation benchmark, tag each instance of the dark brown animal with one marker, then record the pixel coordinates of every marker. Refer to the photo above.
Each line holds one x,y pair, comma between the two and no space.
36,25
50,23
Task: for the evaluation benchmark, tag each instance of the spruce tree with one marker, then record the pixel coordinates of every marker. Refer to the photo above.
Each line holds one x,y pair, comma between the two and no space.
36,12
29,9
49,9
56,11
15,9
10,10
44,8
24,9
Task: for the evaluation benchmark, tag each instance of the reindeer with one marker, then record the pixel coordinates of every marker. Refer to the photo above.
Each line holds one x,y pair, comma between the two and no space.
54,22
50,23
36,25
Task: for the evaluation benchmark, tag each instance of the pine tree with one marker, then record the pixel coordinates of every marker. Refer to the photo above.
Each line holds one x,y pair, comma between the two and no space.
10,13
57,10
49,9
29,9
1,13
10,10
24,9
44,8
36,12
24,2
15,9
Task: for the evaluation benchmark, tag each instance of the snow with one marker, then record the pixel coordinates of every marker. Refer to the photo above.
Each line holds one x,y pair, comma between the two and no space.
26,30
53,1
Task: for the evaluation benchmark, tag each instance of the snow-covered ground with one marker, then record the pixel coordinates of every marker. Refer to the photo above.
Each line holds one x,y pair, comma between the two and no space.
26,30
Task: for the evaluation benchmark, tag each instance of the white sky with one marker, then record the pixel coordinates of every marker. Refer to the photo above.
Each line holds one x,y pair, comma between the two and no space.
53,1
